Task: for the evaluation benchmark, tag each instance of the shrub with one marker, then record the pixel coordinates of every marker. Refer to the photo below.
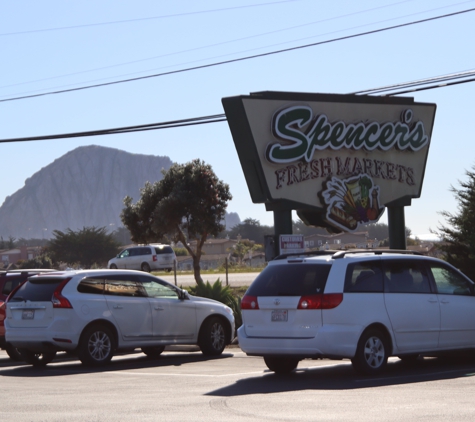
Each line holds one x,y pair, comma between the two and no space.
223,294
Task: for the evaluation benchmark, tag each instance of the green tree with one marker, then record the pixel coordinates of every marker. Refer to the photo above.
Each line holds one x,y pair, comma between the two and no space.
189,203
458,238
88,246
251,229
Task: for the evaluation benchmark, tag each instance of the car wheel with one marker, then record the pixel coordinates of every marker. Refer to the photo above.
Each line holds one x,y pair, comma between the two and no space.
35,358
212,339
372,353
96,346
13,352
113,267
281,365
145,267
153,352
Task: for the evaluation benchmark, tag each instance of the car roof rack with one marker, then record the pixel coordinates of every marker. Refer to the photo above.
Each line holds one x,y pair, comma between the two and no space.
341,254
303,254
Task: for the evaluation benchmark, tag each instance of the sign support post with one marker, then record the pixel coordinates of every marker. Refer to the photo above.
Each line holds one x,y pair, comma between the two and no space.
397,227
282,225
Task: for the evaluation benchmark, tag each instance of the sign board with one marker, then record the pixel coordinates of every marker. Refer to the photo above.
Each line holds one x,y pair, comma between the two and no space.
291,243
336,159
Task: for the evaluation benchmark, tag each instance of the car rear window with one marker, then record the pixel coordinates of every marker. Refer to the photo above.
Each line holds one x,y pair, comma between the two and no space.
290,280
37,290
163,250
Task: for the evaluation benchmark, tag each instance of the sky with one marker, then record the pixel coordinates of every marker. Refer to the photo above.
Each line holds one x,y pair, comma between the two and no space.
55,45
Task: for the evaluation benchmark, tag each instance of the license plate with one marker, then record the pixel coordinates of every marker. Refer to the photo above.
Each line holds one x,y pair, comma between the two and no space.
30,314
280,316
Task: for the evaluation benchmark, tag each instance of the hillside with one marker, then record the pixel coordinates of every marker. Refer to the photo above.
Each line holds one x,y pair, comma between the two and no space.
84,187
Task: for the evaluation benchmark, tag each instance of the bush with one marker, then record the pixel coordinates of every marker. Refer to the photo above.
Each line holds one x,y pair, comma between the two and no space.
41,261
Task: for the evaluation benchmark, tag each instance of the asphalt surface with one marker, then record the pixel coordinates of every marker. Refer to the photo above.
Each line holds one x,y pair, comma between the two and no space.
187,386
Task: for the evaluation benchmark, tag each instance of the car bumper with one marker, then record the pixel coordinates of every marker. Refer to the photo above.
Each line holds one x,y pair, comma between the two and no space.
40,340
330,342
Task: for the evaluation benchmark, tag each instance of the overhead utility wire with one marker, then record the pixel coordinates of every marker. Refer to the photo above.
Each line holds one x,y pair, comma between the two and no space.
225,9
375,31
215,118
425,81
219,44
127,129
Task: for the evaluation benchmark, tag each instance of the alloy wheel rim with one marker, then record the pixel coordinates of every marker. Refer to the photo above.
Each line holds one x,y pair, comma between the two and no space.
217,336
374,352
99,345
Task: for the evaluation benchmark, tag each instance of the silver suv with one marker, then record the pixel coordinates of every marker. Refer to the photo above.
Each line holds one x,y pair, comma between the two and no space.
364,306
145,257
95,313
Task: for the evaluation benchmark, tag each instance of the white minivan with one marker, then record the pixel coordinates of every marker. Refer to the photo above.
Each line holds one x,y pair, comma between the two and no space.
145,257
360,305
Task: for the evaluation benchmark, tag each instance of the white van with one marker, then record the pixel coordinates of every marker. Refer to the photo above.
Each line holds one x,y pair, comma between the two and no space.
145,257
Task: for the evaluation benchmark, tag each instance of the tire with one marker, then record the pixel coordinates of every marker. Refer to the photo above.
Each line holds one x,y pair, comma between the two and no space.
35,358
212,339
113,267
281,365
154,351
96,346
13,352
145,267
372,353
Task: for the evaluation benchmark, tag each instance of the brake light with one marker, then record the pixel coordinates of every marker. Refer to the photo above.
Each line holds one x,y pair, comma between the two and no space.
154,258
325,301
249,302
58,300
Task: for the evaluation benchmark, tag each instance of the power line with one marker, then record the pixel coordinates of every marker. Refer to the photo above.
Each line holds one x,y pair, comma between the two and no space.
126,129
442,81
242,58
433,80
233,41
88,25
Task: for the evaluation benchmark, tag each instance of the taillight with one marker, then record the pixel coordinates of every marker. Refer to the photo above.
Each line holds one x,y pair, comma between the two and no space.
154,258
325,301
58,300
249,302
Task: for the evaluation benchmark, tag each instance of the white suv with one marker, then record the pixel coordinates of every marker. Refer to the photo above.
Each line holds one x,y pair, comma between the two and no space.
145,257
95,313
363,306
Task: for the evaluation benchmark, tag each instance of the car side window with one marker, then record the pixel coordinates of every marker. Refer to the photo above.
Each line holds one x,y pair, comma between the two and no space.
124,254
449,282
10,285
154,288
123,286
145,251
91,285
364,277
406,276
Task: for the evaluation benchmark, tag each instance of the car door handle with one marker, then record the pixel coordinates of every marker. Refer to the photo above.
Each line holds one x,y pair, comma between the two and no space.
117,307
433,300
445,301
157,308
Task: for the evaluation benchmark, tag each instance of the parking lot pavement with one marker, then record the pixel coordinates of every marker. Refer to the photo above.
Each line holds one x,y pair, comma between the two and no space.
188,386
